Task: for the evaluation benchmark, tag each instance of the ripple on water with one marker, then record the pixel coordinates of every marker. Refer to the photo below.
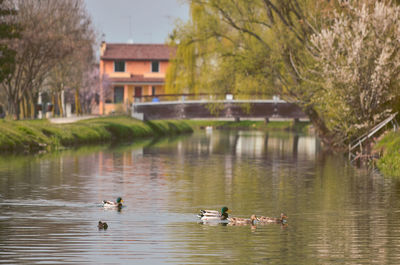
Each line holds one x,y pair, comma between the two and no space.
337,215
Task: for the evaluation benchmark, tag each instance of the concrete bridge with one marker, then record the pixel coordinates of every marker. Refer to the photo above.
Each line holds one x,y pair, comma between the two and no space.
201,109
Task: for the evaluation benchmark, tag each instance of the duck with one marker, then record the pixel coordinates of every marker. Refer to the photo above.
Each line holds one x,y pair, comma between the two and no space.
110,204
243,221
213,215
102,225
273,220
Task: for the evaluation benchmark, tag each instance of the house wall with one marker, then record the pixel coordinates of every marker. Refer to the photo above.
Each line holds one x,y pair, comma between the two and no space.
129,91
135,68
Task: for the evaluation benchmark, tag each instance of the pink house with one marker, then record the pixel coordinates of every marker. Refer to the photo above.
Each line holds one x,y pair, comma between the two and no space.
131,71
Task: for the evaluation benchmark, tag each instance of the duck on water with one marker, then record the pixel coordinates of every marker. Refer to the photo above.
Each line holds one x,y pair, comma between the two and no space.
223,216
117,204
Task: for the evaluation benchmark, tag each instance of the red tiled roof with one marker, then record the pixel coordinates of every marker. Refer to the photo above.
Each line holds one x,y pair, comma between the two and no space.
138,79
115,51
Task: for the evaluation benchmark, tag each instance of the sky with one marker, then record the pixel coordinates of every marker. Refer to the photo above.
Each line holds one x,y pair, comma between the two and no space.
137,21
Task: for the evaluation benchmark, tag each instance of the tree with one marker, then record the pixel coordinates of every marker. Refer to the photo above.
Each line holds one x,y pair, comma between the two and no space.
52,30
358,66
71,73
8,31
90,91
250,47
270,46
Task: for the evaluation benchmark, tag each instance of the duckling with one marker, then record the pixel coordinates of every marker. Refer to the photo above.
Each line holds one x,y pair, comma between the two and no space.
110,204
242,221
102,225
273,220
212,215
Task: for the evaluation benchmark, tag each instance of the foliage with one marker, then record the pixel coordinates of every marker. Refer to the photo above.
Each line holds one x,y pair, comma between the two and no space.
358,59
275,47
249,48
389,162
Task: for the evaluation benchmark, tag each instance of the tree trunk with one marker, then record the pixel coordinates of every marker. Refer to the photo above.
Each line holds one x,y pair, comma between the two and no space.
30,103
77,103
60,105
13,108
21,107
53,101
24,108
322,131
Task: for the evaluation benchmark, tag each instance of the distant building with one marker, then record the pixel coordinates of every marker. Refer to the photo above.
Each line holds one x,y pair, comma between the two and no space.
131,71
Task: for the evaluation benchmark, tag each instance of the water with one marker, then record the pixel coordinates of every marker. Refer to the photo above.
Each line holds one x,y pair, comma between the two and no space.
50,204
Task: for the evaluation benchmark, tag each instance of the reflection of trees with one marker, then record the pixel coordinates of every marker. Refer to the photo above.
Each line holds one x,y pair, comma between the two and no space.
336,214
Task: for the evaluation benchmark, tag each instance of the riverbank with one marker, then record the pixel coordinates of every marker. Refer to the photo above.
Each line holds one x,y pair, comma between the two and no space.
389,161
37,135
283,125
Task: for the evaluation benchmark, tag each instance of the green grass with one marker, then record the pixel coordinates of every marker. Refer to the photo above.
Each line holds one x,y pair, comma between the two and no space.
35,135
252,125
389,147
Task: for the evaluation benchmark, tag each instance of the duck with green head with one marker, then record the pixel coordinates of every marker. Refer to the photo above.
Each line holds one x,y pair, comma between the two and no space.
212,215
117,204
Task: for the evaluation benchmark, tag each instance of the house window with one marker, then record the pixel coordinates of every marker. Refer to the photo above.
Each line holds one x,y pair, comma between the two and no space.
119,66
153,90
155,67
118,94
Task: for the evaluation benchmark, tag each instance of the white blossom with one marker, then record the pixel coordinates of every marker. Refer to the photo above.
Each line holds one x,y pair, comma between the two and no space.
359,59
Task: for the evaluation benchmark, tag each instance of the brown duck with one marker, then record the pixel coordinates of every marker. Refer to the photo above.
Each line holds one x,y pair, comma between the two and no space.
272,220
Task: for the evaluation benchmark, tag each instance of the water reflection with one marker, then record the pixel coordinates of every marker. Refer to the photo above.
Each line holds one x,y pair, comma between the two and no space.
49,204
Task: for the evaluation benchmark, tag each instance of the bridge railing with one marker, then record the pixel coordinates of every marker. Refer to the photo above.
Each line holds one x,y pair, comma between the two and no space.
200,96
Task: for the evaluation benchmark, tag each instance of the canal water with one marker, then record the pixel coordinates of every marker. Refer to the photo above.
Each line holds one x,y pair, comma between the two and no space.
338,214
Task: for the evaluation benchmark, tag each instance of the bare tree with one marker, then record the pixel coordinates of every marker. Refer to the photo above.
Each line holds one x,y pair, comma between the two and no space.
52,30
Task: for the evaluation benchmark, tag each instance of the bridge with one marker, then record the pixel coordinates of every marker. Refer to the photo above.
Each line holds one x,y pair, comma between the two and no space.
211,109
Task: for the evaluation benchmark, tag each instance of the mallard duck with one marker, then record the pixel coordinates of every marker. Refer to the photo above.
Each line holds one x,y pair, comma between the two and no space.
110,204
212,215
102,225
242,221
273,220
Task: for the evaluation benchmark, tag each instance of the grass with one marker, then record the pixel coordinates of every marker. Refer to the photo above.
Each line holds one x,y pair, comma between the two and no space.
389,162
257,125
36,135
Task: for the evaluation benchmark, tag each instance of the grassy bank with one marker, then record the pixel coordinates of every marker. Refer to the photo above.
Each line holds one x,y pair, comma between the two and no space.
252,125
389,162
35,135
